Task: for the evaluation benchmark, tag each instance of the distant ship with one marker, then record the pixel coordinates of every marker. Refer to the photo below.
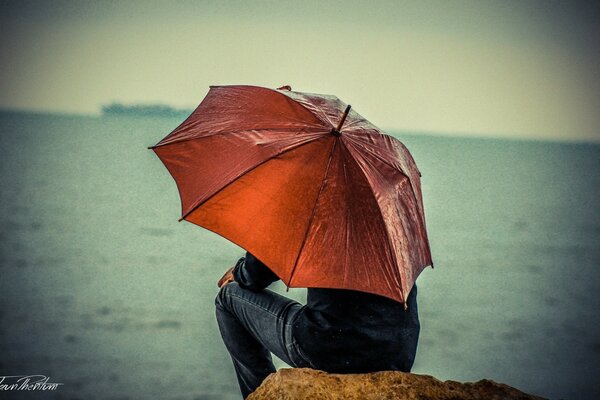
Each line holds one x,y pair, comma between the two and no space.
144,110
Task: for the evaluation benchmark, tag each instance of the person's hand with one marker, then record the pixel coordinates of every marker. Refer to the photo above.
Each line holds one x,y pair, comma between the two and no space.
227,278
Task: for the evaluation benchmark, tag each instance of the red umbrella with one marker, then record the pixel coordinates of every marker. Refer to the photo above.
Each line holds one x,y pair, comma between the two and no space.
308,186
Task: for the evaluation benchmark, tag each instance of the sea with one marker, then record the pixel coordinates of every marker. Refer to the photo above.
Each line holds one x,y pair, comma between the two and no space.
105,293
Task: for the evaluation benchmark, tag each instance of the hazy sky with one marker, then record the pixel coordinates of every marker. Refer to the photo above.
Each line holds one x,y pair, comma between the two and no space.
523,68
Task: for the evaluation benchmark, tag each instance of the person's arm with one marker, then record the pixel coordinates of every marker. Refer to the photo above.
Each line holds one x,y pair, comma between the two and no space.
252,274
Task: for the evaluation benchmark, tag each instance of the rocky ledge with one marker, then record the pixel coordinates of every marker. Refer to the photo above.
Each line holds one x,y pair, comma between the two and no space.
304,383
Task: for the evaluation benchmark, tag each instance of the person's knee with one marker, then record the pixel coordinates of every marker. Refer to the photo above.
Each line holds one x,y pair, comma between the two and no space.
221,300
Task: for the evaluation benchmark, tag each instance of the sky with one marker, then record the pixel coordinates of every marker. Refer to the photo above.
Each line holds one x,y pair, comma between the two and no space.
526,69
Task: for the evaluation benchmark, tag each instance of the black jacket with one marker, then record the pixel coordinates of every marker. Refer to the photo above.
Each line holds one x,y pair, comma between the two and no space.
346,331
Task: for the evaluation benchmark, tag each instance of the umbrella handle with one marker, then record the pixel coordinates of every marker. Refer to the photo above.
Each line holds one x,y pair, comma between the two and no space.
337,131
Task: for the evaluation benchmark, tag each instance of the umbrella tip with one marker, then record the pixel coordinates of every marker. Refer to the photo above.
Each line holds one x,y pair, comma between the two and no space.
285,87
337,132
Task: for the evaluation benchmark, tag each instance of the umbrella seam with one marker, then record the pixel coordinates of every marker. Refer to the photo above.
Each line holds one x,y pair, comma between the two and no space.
392,253
412,189
356,138
322,112
319,117
187,139
310,221
399,168
194,207
348,220
248,86
182,122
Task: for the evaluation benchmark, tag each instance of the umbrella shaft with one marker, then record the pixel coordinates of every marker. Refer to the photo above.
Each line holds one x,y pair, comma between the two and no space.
337,131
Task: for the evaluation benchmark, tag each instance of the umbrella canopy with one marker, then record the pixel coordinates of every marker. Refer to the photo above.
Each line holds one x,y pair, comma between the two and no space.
324,202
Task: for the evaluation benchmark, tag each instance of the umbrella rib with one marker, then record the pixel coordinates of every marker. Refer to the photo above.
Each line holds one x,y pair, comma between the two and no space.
322,116
187,139
414,194
392,253
250,170
383,160
412,189
312,214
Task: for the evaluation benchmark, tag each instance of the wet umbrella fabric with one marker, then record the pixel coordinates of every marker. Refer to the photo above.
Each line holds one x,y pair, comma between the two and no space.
268,170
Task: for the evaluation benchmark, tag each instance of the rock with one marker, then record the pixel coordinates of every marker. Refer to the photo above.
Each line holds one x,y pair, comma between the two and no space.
305,383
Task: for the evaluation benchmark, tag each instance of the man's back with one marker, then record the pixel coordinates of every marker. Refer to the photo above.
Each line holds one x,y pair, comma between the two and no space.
353,332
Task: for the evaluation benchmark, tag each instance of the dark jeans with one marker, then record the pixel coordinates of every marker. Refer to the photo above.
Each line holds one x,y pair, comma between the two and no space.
254,325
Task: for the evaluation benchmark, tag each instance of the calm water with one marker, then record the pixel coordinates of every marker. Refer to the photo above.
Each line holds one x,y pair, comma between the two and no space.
102,290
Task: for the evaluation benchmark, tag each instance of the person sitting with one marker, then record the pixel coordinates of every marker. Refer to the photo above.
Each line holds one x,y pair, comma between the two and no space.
337,331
